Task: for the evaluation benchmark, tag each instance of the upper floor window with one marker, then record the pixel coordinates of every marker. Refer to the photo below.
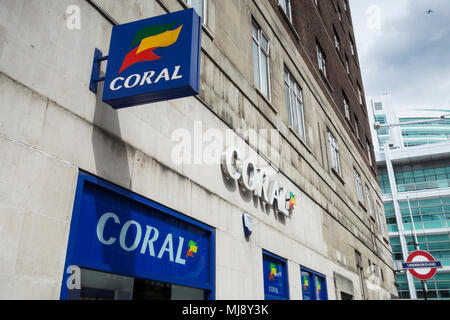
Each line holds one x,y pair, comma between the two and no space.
294,102
347,65
334,152
360,95
369,200
380,219
286,6
378,106
321,59
337,41
339,13
357,127
346,108
261,50
199,6
352,47
369,154
359,190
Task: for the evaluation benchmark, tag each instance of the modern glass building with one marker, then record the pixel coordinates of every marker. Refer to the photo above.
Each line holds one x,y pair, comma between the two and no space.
411,131
414,175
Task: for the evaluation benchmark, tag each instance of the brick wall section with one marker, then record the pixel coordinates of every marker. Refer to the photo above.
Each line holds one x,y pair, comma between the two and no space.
317,25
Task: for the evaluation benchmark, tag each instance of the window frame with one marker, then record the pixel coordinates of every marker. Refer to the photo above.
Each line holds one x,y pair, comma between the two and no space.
293,103
266,52
357,128
286,7
266,255
204,15
358,184
347,65
321,60
380,217
346,107
337,40
369,201
314,275
333,145
369,154
360,95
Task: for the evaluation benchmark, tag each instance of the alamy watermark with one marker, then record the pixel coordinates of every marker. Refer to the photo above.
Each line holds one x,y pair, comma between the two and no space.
205,146
74,280
73,17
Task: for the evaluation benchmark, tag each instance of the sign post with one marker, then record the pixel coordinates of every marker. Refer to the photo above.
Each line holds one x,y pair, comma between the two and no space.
422,266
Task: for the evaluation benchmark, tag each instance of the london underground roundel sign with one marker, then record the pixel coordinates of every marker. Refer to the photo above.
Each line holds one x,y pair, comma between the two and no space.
422,265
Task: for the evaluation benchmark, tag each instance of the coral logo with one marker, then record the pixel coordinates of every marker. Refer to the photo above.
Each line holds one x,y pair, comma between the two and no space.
148,39
192,248
154,59
273,272
292,201
305,283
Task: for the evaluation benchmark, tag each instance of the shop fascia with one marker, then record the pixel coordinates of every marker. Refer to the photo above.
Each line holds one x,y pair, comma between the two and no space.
256,180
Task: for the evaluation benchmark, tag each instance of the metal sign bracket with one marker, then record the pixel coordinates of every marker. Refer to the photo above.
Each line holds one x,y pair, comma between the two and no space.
95,74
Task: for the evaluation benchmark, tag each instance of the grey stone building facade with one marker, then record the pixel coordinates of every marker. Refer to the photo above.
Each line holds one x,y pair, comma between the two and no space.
258,89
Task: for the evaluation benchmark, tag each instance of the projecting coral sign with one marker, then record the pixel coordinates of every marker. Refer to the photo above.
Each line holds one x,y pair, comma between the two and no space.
153,60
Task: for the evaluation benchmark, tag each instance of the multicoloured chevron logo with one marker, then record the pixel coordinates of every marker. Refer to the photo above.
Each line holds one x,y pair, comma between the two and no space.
192,248
273,271
292,201
148,39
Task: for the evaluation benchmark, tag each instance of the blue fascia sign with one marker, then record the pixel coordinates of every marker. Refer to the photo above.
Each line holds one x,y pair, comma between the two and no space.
154,59
116,231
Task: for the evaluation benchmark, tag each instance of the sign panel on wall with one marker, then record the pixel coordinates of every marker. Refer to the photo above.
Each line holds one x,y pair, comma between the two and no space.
154,59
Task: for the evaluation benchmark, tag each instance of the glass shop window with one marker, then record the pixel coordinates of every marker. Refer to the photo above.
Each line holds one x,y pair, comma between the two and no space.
97,285
313,285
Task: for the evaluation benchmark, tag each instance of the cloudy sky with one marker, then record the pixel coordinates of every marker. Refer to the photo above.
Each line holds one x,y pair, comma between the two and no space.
404,51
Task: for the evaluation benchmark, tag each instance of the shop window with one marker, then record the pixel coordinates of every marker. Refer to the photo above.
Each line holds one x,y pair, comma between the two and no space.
96,285
313,285
275,277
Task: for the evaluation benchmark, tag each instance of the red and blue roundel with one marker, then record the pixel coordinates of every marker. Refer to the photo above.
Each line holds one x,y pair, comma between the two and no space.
153,60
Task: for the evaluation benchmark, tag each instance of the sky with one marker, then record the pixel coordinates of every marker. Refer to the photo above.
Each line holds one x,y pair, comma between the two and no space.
404,51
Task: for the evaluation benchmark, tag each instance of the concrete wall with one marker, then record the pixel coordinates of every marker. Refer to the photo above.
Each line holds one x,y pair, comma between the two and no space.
51,126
